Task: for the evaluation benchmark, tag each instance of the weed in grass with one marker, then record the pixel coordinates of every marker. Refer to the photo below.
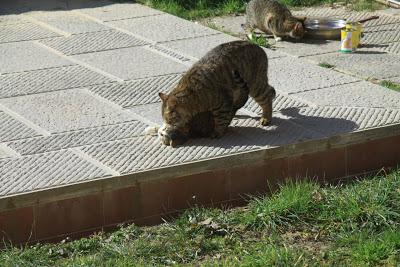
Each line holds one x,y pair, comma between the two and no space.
259,40
391,85
326,65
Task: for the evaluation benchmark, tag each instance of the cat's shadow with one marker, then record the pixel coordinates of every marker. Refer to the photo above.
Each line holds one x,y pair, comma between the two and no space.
11,7
291,128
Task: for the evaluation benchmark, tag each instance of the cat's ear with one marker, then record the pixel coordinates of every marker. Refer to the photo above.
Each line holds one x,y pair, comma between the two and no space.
301,18
298,26
163,96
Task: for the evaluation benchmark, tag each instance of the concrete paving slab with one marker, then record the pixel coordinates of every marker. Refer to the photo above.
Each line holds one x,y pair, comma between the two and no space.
23,32
93,42
158,48
245,135
358,94
41,171
308,47
12,129
45,80
393,48
390,12
330,121
78,138
163,28
132,63
327,12
4,152
24,56
12,19
65,110
138,92
380,65
230,24
383,19
191,47
68,21
382,34
117,11
281,131
292,76
143,153
151,112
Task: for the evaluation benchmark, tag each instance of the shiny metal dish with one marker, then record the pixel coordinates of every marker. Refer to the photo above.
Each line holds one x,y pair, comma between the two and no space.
328,29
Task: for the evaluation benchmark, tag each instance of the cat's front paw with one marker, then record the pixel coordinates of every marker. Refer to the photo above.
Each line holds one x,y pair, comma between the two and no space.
264,121
278,39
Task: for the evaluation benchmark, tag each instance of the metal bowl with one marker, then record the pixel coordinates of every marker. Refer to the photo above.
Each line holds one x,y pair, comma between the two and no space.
328,29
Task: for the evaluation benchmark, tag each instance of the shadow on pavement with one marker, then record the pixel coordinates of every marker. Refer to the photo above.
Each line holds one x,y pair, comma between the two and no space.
296,128
15,7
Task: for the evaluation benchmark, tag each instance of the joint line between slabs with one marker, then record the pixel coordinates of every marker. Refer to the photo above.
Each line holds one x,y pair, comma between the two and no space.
113,27
47,26
81,63
9,151
94,161
116,106
161,53
25,121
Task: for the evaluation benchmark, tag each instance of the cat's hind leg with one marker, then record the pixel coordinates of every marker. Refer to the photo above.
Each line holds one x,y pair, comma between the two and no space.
223,116
240,91
264,98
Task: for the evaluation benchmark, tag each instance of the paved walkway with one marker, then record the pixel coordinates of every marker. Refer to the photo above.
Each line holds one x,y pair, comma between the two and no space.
79,82
377,59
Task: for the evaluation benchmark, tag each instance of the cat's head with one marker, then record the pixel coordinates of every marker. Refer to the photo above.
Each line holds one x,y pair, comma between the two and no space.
297,27
175,130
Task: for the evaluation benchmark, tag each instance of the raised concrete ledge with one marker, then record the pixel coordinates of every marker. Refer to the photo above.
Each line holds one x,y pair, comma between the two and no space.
146,197
240,159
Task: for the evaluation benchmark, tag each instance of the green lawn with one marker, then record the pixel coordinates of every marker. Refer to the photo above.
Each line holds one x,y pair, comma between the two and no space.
303,224
195,9
391,85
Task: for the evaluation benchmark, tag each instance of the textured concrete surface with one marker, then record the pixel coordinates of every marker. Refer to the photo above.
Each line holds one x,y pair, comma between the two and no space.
380,35
79,83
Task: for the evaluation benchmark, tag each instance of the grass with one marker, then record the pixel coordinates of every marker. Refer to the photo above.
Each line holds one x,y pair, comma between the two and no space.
196,9
391,85
260,40
326,65
303,224
192,9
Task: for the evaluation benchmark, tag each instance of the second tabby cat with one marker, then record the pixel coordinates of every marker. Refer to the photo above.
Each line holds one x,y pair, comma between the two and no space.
272,17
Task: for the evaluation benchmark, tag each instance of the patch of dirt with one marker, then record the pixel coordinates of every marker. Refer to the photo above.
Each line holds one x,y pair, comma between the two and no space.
312,241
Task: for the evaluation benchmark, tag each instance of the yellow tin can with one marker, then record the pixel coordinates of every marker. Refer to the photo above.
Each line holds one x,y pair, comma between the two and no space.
349,39
357,27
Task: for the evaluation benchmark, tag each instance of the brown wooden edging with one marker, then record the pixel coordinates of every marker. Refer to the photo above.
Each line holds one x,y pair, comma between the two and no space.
145,198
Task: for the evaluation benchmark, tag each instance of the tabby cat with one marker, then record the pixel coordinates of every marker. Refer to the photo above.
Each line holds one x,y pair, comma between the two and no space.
207,97
270,16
